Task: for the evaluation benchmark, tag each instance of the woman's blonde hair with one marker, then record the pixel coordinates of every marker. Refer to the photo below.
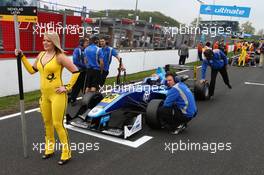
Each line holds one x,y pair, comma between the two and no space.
55,39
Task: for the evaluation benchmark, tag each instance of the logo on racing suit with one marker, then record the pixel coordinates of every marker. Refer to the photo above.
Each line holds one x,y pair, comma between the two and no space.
51,77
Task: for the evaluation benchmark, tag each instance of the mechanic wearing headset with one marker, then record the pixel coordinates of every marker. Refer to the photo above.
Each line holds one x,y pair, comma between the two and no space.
53,100
108,53
179,106
80,61
217,60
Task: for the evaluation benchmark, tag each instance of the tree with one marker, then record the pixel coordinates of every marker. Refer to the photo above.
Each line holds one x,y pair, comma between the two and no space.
248,28
193,23
261,32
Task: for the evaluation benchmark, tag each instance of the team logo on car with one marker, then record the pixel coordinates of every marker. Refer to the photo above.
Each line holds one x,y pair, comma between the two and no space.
146,96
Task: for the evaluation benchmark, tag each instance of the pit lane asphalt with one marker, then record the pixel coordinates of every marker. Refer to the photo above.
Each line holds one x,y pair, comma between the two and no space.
234,116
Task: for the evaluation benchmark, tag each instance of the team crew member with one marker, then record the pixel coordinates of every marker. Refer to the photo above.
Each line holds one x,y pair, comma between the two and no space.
53,101
200,51
95,59
221,46
217,60
226,48
243,55
235,48
179,106
80,61
108,52
261,51
183,52
216,45
207,46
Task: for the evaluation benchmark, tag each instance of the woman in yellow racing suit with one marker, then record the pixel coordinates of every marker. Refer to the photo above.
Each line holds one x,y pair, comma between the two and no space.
53,101
243,55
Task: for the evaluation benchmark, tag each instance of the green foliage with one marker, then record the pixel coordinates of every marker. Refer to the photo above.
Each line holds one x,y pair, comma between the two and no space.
157,17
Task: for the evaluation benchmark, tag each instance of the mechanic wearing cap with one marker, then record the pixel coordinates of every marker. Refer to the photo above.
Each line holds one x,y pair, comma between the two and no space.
80,61
179,106
108,52
94,56
217,60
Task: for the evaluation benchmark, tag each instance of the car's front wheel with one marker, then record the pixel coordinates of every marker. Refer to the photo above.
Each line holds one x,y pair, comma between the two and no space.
152,117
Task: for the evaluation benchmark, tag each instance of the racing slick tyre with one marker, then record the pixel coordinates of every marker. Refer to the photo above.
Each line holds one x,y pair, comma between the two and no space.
201,90
152,118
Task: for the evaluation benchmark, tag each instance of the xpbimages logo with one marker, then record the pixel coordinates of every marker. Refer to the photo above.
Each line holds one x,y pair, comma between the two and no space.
57,146
203,30
41,28
212,147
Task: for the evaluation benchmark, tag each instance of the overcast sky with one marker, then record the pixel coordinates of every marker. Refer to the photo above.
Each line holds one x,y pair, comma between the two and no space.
182,10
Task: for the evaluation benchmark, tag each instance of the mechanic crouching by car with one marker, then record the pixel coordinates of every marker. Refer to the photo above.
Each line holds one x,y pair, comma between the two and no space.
179,106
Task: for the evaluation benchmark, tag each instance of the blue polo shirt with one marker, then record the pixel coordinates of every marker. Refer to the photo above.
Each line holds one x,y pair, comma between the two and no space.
218,61
108,53
94,54
78,58
181,96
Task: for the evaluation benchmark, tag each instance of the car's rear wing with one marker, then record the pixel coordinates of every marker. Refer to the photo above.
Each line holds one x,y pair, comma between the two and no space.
182,68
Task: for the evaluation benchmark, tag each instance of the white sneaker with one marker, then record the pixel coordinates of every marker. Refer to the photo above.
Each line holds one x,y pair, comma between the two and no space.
179,129
176,132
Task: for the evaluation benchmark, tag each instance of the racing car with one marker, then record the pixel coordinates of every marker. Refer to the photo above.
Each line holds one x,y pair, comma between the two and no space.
120,113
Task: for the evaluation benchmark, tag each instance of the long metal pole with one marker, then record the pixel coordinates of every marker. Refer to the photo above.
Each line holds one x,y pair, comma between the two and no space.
134,26
21,91
212,15
136,9
196,27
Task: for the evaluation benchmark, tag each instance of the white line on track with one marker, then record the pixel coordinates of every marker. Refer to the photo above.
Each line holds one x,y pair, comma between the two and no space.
18,114
133,144
256,84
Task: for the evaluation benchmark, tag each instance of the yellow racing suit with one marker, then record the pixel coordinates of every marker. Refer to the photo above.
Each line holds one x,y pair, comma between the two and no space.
52,104
242,57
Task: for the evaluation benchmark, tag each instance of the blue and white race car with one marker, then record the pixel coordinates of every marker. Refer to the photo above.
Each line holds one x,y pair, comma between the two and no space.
119,113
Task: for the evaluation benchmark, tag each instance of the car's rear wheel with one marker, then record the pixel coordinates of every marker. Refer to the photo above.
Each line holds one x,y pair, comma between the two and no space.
201,90
152,117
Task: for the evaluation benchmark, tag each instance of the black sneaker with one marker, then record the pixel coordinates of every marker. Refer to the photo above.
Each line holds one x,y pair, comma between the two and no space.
47,156
229,86
63,162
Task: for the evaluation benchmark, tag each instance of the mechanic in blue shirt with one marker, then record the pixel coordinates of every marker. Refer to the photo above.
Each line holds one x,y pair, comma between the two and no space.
108,52
95,65
217,60
80,61
179,106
